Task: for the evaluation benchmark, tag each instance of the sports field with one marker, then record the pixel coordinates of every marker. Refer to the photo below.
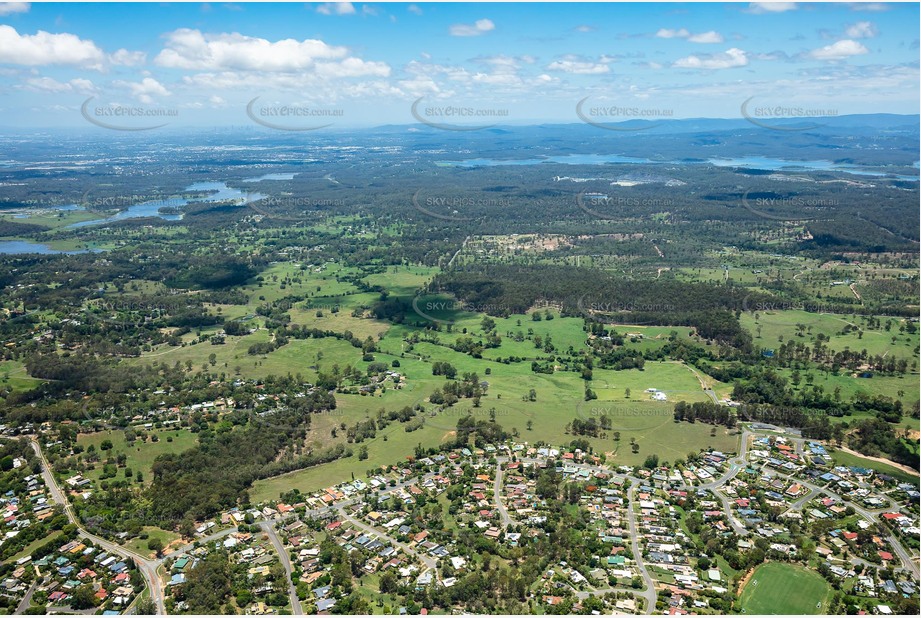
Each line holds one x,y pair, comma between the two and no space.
779,588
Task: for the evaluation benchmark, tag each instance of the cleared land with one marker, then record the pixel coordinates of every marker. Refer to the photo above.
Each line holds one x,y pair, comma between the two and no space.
140,455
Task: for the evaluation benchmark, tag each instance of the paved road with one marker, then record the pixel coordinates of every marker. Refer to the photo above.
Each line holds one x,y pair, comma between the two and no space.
201,541
269,528
27,600
650,592
497,493
599,592
147,567
428,561
736,464
700,378
908,562
727,508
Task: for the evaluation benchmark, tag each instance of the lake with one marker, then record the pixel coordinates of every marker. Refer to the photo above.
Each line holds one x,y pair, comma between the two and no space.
572,159
220,192
272,177
12,247
752,162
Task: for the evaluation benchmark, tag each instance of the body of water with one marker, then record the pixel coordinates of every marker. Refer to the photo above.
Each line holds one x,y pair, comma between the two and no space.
64,208
572,159
219,192
12,247
764,163
819,165
272,177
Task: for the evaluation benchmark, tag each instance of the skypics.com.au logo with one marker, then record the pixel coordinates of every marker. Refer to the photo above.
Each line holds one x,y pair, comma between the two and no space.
606,207
782,117
283,117
129,118
445,311
760,205
445,116
450,207
606,309
603,116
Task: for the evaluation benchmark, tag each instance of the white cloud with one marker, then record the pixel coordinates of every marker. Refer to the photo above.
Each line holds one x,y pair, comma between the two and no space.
711,36
123,57
774,55
429,70
771,7
336,8
48,84
872,7
352,67
45,48
729,59
481,26
414,9
585,28
506,63
668,33
419,86
8,8
145,90
190,49
839,50
580,66
318,81
861,30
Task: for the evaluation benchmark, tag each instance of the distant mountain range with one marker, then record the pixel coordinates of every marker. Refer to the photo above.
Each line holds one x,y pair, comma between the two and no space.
833,124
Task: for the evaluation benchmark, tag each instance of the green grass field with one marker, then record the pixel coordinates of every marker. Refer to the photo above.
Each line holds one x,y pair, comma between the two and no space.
140,455
847,459
621,395
13,375
31,547
903,388
784,589
776,324
650,424
139,545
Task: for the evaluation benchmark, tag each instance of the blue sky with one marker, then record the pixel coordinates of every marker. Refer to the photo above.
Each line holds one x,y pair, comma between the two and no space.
366,63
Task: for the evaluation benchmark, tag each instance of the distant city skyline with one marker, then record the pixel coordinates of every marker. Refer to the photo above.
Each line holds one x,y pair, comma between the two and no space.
342,65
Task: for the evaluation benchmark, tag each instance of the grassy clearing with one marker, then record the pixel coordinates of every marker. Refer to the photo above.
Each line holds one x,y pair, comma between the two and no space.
31,547
777,324
13,375
140,455
139,545
847,459
56,219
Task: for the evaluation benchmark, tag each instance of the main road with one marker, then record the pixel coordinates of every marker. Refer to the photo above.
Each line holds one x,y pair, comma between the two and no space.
497,494
147,567
428,561
268,527
650,592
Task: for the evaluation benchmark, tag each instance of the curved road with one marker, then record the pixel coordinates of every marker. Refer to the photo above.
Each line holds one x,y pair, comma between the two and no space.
650,592
497,494
269,528
147,567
